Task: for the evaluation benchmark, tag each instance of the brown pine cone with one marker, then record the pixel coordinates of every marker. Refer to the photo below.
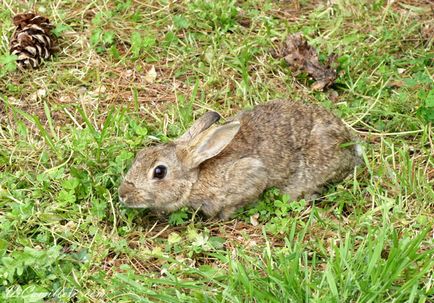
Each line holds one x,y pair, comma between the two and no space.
32,40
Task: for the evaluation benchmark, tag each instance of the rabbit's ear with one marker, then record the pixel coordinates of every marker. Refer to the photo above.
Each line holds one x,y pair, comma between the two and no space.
209,144
199,126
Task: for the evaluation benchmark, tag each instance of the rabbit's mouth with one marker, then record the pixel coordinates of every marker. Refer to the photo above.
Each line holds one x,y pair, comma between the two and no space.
135,203
131,197
161,211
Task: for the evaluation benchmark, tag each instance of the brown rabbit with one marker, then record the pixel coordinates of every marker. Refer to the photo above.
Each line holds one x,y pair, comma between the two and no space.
295,147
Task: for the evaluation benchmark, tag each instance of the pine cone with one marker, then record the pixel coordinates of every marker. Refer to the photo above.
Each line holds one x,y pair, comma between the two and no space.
32,40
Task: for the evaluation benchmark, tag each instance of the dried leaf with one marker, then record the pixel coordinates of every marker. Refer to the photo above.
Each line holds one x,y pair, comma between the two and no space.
41,92
301,57
427,32
396,84
243,20
151,75
254,219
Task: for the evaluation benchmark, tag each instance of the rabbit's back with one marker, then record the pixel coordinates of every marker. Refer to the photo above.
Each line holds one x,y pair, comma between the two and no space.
298,144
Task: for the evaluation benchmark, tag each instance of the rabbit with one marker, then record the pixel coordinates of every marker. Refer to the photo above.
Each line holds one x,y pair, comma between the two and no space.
295,147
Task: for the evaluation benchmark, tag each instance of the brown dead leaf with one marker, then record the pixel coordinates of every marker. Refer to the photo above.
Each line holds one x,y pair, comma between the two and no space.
243,20
396,84
302,57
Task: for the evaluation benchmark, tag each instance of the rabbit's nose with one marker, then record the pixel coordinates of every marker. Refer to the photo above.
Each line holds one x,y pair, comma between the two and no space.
125,188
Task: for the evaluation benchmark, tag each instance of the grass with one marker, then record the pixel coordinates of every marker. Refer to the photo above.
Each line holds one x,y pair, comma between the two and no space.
128,73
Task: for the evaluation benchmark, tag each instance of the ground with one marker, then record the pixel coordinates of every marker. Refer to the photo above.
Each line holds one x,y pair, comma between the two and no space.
128,73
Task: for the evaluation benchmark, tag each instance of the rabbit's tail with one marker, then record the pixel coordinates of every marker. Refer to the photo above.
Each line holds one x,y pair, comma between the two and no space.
358,149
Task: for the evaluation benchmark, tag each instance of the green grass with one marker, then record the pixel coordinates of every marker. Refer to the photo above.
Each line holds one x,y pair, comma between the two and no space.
127,74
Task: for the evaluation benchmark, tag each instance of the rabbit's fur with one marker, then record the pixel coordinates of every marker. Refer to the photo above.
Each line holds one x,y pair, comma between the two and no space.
295,147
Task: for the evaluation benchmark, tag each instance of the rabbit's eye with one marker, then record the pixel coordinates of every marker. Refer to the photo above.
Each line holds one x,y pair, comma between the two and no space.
160,172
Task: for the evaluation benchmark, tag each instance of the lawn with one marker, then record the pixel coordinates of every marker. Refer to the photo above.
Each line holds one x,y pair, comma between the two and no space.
130,73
